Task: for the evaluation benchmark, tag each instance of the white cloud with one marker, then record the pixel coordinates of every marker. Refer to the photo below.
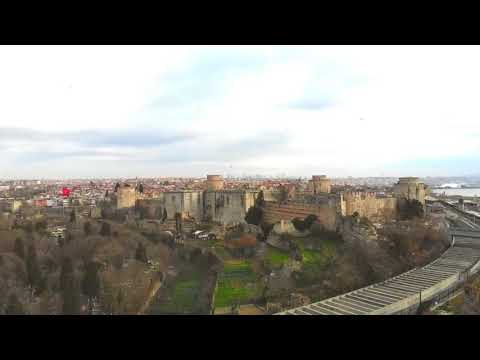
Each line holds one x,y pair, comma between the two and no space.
339,110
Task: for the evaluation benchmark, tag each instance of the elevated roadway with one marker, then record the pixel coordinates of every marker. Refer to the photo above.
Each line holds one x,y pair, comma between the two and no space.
405,293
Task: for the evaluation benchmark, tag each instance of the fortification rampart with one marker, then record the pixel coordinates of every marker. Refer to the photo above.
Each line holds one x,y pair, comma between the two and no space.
368,205
214,182
274,212
126,197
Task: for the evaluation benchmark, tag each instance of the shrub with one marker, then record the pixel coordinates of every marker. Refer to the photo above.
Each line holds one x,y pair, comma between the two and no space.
254,215
411,209
299,224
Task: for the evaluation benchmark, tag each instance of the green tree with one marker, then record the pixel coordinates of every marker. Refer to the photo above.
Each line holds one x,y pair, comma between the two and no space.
41,225
69,288
117,185
28,227
260,200
142,213
283,194
299,224
68,236
105,230
120,298
140,188
254,215
91,282
71,295
412,209
141,253
178,222
305,224
34,275
14,306
19,248
87,228
66,269
309,220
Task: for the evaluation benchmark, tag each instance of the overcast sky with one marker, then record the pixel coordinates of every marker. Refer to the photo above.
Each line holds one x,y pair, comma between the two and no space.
107,111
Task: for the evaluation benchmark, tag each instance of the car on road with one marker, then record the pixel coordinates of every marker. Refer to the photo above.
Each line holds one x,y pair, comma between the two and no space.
203,235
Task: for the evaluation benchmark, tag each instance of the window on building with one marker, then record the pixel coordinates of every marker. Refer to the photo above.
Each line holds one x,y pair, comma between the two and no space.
228,200
173,198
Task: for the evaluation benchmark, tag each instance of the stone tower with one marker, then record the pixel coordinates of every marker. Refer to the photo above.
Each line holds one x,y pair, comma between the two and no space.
321,184
126,197
214,182
410,188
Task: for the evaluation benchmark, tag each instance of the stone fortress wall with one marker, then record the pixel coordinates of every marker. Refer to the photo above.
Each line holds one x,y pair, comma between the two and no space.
369,205
328,207
275,212
214,182
230,206
187,202
409,188
321,184
126,197
214,203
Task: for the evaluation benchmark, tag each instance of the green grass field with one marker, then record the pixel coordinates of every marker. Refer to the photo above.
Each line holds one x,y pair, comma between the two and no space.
236,284
316,261
183,295
275,257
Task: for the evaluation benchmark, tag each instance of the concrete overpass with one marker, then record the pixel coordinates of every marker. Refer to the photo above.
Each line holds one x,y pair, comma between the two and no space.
405,293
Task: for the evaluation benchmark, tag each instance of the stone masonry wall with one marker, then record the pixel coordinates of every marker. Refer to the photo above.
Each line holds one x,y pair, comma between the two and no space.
274,212
370,206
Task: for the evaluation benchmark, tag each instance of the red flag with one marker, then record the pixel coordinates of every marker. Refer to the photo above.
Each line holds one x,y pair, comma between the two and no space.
66,192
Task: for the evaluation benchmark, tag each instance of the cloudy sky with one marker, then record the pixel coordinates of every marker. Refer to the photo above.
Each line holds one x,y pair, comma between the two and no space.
107,111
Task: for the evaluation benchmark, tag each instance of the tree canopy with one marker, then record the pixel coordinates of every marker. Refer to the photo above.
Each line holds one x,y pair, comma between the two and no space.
305,224
66,269
34,275
178,222
260,201
19,248
105,230
91,280
14,306
283,194
141,253
87,228
254,215
411,209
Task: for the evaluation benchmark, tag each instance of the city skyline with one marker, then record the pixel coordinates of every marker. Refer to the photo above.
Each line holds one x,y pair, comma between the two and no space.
147,111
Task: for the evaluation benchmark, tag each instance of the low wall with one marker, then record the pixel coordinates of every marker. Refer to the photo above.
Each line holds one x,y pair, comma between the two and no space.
274,212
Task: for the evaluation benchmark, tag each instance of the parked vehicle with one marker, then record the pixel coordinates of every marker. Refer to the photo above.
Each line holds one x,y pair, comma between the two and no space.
203,235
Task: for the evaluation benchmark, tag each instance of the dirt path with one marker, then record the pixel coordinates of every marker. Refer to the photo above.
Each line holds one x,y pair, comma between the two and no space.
153,289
